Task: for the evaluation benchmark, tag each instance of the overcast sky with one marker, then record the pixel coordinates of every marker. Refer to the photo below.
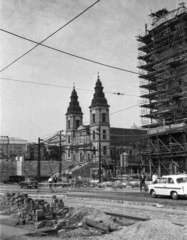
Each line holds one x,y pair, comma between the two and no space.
105,33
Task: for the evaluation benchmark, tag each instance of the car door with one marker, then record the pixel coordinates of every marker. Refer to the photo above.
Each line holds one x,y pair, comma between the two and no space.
160,187
169,186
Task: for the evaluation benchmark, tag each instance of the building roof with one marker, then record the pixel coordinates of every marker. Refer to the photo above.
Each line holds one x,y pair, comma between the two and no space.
74,107
12,140
99,96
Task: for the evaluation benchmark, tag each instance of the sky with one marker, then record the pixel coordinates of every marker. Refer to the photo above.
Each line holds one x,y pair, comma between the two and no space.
105,33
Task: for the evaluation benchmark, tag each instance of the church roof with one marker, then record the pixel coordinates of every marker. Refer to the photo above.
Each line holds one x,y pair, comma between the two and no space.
99,96
74,107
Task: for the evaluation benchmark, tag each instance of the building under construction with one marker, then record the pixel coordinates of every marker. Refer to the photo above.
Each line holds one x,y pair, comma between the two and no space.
162,61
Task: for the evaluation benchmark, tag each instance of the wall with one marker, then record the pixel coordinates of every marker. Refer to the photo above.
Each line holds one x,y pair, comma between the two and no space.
7,168
29,168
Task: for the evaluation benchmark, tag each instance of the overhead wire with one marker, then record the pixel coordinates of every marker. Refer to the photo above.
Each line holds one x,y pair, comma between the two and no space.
69,54
49,36
60,86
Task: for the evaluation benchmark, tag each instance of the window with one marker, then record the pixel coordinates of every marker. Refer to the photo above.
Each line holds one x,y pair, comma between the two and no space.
93,117
81,158
104,150
69,154
104,134
94,150
68,124
69,139
77,123
93,134
170,180
103,117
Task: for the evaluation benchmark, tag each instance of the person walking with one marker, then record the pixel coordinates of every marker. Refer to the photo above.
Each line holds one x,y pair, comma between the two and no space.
50,181
142,181
55,181
154,177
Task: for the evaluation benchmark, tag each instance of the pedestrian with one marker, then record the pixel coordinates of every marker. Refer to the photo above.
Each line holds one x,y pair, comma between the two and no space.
142,181
50,181
55,181
154,177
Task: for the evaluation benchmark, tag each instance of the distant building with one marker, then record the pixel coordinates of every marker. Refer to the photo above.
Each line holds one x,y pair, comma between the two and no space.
11,147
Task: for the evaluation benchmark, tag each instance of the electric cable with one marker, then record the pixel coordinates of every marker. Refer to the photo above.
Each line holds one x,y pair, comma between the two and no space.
69,54
49,36
60,86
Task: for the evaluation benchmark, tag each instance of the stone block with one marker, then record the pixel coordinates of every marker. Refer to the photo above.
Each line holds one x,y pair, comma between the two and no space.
62,233
39,212
39,224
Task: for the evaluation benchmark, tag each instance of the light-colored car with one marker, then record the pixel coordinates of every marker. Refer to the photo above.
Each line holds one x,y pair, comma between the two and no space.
170,185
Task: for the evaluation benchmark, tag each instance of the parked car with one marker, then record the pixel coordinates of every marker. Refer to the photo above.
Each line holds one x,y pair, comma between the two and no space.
170,185
29,183
14,179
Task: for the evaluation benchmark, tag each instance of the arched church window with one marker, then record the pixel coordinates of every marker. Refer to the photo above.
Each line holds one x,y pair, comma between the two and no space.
103,117
69,154
93,134
77,123
94,151
93,117
104,150
68,124
104,134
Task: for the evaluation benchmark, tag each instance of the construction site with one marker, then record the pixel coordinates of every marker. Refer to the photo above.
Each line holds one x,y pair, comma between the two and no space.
162,63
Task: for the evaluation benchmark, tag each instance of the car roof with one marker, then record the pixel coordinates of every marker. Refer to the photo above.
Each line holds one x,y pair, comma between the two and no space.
175,176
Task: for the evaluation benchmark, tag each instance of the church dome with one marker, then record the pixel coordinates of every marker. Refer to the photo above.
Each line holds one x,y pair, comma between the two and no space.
99,96
74,107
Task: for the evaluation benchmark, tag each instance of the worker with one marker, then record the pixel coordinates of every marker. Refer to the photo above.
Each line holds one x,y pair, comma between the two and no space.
154,177
142,178
50,181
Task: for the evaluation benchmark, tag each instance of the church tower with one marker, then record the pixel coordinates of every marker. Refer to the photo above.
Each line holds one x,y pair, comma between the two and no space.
74,118
99,123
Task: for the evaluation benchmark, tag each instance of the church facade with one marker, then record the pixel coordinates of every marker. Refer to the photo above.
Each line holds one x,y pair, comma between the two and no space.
84,143
97,140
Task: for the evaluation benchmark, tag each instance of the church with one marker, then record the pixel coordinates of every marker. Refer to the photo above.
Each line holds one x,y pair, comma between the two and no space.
89,143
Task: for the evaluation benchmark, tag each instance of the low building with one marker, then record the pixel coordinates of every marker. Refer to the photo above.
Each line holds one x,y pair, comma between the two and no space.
12,148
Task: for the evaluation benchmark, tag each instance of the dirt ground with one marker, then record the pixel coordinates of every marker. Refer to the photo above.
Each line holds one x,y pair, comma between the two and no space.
79,229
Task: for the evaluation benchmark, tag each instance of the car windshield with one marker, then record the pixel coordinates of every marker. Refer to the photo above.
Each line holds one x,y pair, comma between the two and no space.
182,180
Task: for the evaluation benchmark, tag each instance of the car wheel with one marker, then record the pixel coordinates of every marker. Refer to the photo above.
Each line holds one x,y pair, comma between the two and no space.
153,193
174,195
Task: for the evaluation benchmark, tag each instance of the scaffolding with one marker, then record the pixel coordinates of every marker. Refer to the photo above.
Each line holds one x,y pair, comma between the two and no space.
162,63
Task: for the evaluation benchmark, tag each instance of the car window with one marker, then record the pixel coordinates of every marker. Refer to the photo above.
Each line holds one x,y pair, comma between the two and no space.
163,180
182,180
170,180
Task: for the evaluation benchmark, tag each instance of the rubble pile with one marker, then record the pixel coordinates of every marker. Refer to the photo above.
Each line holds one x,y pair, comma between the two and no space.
54,218
27,210
149,230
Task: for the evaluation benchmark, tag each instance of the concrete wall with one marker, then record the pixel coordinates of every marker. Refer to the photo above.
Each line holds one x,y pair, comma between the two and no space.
7,168
29,168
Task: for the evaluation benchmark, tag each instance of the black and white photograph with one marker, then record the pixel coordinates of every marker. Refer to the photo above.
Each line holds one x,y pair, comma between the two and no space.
93,119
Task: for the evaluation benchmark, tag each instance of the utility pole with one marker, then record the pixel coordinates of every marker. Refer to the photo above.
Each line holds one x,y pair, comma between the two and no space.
60,154
99,154
38,167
